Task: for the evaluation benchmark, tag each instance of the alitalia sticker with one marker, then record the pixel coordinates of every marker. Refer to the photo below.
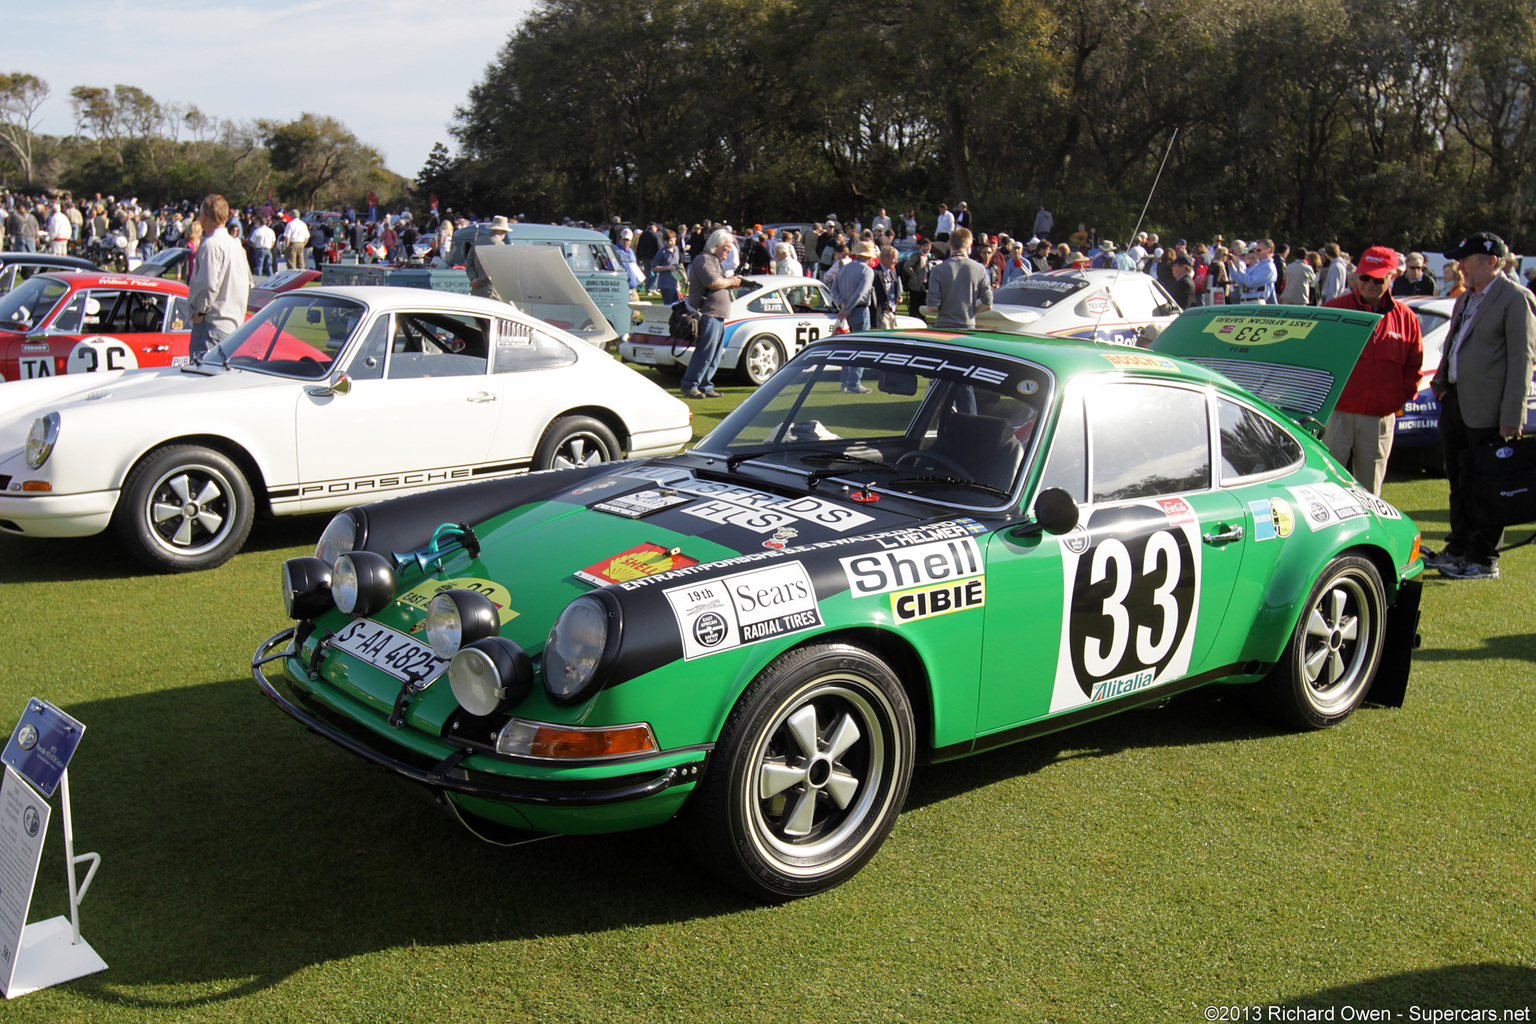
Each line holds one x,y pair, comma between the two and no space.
1321,506
641,560
1132,591
762,512
421,595
881,572
1247,330
744,608
642,503
911,605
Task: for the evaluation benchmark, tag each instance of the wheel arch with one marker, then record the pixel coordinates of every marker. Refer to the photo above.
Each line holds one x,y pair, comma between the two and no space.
1289,588
604,415
231,449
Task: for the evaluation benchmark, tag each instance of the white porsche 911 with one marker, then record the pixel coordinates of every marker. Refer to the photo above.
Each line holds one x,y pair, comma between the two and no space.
325,398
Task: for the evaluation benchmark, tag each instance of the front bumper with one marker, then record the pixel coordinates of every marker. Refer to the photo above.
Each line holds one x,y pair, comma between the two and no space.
450,776
56,515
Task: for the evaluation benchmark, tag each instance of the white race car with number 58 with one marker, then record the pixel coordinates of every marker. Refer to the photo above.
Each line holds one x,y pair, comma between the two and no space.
773,316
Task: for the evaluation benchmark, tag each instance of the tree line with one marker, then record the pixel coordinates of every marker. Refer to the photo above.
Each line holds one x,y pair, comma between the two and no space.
127,143
1401,122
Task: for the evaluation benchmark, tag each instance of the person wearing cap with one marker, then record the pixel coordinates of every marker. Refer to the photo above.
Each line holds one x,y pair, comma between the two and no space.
853,289
958,287
479,280
1182,283
1386,375
1481,386
1414,281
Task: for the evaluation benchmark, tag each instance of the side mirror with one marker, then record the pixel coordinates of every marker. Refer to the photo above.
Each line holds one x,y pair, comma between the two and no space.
1055,513
340,386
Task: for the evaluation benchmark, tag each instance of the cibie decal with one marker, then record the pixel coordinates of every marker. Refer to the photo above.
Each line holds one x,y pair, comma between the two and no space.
641,560
911,605
422,594
881,572
1131,594
743,608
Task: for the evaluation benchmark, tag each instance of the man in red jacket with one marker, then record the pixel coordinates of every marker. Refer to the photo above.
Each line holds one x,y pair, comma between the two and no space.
1360,430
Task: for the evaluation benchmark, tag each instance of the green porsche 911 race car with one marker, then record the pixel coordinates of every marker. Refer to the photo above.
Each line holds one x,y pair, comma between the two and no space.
906,546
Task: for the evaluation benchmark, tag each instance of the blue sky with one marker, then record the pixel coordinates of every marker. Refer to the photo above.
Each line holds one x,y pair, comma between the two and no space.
391,70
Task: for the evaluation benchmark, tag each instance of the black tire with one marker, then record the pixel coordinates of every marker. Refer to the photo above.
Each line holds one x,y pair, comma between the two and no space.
1332,658
185,507
573,441
831,807
760,360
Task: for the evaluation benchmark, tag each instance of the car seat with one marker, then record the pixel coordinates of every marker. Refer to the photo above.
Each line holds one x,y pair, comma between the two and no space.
984,445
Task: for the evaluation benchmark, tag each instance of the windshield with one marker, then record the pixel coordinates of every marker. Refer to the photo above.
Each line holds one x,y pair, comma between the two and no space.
26,307
1039,292
942,424
294,335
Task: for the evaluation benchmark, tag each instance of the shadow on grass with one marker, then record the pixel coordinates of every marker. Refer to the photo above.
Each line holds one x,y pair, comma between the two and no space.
104,556
238,849
1496,987
1510,647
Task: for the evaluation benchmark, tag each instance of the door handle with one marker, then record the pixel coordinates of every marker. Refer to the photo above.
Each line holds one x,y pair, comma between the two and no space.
1227,535
480,397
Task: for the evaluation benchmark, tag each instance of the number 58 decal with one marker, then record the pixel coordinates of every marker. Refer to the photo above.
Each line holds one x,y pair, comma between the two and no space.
1131,597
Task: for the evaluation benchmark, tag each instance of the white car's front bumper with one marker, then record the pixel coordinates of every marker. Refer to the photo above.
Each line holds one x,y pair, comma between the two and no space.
56,515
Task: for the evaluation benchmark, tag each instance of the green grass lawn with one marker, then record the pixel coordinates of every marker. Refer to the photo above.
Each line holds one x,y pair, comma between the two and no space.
1141,868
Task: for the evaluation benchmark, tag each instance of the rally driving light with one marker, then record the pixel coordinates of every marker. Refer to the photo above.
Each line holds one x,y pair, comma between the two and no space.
362,583
41,439
342,534
457,618
547,739
306,587
581,646
490,675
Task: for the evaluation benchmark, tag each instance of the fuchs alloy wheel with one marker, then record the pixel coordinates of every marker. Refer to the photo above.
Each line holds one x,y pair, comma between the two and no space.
760,360
1328,666
575,441
185,507
809,775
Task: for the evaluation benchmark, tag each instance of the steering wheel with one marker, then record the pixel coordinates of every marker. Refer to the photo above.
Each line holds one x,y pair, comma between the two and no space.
943,462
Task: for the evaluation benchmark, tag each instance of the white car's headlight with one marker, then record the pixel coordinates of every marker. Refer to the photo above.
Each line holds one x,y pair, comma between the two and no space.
581,646
41,439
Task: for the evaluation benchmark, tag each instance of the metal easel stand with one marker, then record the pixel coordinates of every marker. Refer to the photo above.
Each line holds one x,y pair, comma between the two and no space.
52,951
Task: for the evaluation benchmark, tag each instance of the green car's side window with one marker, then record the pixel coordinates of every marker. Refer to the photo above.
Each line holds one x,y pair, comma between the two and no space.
1252,444
1148,439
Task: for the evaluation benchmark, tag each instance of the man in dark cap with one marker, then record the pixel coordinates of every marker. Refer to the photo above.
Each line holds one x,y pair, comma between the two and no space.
1481,385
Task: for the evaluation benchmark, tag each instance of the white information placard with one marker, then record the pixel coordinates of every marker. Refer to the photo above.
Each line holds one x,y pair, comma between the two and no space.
23,827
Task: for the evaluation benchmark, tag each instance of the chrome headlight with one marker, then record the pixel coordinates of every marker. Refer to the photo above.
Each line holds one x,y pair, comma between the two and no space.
362,583
581,647
342,534
490,675
41,439
457,618
306,587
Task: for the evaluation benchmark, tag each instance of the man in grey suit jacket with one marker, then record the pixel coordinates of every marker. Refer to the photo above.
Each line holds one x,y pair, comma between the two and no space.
1481,385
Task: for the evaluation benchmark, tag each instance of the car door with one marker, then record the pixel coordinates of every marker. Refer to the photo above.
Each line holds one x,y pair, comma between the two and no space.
126,328
815,312
526,369
420,411
1133,597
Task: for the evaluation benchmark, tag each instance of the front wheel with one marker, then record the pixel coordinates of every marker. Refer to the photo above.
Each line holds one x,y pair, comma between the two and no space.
809,775
575,441
1329,665
185,507
760,360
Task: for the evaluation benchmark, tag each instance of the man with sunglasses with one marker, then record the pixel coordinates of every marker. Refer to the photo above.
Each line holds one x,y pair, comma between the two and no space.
1386,375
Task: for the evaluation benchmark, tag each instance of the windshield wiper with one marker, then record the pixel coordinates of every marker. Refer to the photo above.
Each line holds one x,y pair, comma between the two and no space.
957,481
854,460
733,461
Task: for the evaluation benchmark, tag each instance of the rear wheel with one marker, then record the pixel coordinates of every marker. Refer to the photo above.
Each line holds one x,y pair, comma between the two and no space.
185,507
760,360
809,774
1328,666
575,441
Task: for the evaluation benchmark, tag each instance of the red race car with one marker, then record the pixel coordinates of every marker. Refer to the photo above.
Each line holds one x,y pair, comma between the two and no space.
84,322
